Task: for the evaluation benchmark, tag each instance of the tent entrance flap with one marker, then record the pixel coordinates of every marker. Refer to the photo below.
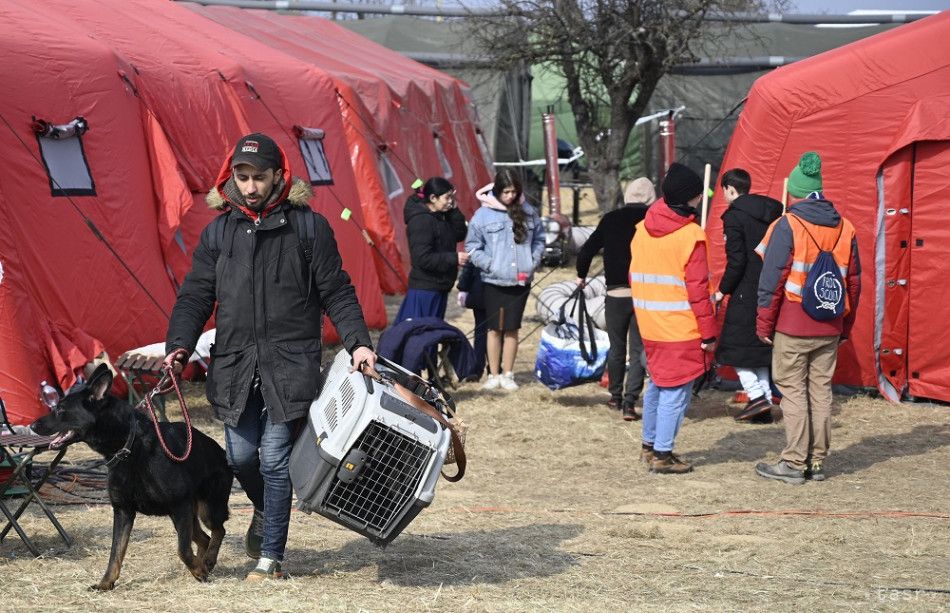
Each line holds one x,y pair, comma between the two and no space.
912,346
892,269
928,339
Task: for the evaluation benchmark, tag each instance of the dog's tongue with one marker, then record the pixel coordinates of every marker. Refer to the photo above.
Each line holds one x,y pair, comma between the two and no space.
61,438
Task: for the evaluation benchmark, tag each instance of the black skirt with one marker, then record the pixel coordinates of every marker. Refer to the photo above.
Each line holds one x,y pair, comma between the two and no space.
505,305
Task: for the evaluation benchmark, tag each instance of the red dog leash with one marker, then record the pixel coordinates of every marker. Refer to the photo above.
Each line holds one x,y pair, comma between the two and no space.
171,381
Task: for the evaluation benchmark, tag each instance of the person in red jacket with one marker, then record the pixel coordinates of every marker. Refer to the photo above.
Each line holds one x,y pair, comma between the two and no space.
669,283
805,350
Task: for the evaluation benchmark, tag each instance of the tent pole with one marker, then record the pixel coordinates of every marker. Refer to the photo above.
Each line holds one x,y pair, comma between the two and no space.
784,194
706,176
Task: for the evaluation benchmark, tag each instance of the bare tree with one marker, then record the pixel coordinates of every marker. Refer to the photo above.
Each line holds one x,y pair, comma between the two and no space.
611,53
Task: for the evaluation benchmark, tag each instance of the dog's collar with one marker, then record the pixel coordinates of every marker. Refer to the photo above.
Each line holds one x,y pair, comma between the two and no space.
124,453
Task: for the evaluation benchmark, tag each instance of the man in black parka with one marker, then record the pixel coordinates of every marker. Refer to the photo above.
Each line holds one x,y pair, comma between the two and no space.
270,295
744,224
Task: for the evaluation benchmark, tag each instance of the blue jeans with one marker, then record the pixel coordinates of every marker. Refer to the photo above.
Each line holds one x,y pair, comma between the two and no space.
259,454
663,412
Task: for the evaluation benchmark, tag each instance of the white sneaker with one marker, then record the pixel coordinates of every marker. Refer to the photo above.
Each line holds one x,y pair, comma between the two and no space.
492,383
508,381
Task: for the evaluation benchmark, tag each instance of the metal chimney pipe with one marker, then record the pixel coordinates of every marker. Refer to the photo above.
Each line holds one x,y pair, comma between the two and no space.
552,177
667,143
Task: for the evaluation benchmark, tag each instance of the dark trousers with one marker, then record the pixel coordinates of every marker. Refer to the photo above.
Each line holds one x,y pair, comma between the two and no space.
624,337
480,342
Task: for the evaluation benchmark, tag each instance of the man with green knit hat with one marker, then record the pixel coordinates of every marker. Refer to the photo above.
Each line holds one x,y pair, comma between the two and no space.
805,340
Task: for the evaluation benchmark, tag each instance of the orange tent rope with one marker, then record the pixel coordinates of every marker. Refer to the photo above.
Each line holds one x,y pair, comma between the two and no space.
731,513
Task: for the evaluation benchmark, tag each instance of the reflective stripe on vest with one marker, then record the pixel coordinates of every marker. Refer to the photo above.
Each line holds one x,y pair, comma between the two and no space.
658,283
657,305
805,252
640,277
804,267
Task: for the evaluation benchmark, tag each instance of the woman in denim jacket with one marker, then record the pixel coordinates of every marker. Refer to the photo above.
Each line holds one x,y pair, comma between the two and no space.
505,241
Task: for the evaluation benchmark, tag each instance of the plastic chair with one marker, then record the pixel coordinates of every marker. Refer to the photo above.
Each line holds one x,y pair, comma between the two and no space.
22,478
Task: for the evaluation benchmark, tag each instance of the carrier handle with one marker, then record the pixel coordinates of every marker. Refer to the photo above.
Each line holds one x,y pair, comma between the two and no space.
423,406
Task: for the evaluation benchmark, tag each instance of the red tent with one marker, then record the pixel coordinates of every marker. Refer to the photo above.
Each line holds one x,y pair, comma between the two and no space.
206,85
415,117
64,296
877,112
164,93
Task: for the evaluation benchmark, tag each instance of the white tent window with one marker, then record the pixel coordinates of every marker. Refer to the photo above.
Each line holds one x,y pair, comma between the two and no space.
390,178
64,157
443,161
314,155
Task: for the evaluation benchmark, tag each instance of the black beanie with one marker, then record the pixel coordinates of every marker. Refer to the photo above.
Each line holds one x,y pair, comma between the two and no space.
680,185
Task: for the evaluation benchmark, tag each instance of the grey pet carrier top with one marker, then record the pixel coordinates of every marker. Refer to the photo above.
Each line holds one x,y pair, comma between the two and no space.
367,458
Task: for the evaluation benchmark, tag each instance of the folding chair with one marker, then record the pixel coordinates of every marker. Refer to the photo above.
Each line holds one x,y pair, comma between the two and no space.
430,344
439,367
141,372
142,368
24,479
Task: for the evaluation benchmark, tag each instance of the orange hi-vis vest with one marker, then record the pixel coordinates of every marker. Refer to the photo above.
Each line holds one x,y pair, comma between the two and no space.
806,248
658,283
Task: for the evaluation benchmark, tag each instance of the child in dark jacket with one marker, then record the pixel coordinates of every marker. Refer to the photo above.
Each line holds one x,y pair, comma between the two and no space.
472,296
744,224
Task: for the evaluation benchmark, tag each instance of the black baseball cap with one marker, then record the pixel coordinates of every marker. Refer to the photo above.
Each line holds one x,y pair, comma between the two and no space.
258,150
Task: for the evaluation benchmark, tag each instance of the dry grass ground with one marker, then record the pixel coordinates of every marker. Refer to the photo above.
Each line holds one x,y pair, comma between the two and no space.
556,514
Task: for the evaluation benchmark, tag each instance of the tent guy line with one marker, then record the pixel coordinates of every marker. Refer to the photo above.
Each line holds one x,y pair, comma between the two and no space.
372,132
343,207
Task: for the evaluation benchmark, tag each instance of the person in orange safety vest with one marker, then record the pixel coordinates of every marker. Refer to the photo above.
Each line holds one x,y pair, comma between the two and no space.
669,283
805,350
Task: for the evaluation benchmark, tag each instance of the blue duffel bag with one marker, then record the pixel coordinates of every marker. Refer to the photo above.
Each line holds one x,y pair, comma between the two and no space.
569,353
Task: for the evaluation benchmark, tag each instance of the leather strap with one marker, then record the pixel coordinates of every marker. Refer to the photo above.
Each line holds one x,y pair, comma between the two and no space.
423,406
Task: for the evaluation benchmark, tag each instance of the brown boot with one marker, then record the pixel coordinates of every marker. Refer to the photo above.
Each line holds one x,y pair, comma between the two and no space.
646,455
668,463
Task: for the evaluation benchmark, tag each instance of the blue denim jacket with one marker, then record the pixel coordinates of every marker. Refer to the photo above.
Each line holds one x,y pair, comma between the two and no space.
491,245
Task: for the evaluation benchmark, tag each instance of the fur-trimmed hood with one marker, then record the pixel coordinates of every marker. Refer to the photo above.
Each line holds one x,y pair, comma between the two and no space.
297,191
298,194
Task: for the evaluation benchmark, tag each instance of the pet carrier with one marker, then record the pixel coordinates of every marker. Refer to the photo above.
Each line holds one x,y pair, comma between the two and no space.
372,450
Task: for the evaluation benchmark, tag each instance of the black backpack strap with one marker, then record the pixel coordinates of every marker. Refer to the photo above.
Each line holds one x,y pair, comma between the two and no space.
216,235
305,225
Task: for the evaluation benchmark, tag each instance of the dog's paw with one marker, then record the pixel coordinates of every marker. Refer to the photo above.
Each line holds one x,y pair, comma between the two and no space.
102,586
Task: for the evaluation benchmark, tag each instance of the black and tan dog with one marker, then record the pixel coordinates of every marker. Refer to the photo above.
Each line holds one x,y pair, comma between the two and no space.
142,478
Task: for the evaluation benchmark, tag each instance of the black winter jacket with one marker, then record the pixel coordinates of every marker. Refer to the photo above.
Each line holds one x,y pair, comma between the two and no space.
470,281
744,224
614,234
269,307
432,245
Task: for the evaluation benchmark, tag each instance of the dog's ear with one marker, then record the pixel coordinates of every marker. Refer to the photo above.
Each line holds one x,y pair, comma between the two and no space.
100,382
